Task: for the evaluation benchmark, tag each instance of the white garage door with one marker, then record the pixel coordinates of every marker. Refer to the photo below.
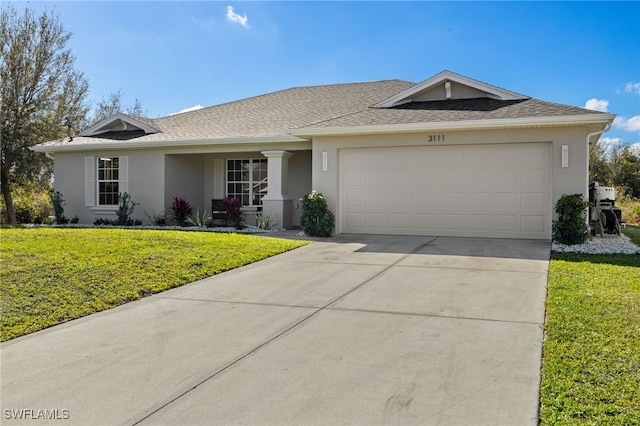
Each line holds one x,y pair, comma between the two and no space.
498,190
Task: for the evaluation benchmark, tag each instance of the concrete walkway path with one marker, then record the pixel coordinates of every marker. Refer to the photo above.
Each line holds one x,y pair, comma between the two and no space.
361,330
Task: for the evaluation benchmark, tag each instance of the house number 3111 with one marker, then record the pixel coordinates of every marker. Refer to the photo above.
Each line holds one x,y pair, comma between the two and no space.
435,138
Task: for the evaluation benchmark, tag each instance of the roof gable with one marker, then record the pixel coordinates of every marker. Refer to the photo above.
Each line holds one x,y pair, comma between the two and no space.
119,124
448,85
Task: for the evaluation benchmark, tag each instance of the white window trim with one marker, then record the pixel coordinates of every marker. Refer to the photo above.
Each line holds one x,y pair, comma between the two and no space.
251,182
91,183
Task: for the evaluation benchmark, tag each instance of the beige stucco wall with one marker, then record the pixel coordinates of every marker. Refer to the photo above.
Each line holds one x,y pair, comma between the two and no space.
572,179
146,177
184,177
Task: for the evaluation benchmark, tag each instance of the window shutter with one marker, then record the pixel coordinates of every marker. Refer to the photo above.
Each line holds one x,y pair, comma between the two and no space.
89,181
124,174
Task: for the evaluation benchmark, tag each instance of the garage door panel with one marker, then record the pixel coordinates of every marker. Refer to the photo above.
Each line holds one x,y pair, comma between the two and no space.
400,159
425,177
401,179
377,201
478,201
505,179
505,223
452,156
448,179
378,180
378,220
476,179
533,201
533,223
401,201
493,190
377,159
450,221
506,201
451,201
355,220
355,179
478,156
505,156
479,222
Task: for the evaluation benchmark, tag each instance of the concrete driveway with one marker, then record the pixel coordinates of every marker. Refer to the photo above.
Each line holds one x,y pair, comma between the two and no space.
353,330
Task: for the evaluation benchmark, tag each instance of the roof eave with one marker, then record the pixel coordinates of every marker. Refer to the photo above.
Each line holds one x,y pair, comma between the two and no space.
165,143
503,123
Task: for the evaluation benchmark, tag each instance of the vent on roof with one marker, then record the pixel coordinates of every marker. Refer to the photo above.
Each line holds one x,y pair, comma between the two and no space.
119,123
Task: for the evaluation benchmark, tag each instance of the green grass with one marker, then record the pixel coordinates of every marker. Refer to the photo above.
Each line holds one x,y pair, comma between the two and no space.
632,232
50,276
591,361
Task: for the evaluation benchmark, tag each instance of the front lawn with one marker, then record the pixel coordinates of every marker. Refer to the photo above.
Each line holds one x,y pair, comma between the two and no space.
591,360
50,276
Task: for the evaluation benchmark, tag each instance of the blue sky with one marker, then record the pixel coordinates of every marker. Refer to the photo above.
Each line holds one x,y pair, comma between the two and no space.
176,55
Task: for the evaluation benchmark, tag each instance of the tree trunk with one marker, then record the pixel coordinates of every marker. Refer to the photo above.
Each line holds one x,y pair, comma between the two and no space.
6,193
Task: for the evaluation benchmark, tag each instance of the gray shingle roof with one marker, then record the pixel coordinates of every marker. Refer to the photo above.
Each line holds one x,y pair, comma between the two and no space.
338,105
455,110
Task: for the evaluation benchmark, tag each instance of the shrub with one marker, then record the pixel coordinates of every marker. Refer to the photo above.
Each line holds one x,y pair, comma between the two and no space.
265,222
571,227
234,215
33,205
75,219
125,209
316,219
201,221
181,210
58,208
156,219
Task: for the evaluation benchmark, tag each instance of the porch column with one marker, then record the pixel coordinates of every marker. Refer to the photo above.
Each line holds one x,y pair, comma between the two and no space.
277,202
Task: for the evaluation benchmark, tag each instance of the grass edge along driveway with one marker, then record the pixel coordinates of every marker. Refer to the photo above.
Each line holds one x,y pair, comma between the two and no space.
591,358
52,275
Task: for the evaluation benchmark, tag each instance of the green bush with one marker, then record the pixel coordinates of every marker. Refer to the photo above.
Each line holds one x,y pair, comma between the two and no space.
571,227
316,219
32,205
58,208
125,209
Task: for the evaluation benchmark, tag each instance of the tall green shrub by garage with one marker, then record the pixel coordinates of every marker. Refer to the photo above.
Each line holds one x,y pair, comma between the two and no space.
316,219
571,226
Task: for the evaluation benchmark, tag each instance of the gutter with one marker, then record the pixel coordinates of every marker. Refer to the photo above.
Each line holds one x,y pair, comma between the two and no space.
111,144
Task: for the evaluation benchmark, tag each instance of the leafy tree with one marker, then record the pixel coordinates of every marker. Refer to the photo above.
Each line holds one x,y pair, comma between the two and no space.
625,171
42,96
112,104
599,170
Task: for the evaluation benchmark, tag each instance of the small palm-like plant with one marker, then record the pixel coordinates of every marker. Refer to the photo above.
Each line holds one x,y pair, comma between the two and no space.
201,221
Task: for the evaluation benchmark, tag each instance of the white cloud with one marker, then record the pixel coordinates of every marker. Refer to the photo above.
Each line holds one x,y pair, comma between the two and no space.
193,108
635,148
234,17
609,143
597,104
629,124
632,87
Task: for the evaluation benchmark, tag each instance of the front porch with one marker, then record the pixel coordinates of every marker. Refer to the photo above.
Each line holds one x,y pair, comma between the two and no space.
270,182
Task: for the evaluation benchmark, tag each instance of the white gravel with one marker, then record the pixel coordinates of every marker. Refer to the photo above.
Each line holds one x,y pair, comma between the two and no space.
610,244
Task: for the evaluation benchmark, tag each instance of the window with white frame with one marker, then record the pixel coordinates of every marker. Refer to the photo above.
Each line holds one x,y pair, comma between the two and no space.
108,181
247,180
